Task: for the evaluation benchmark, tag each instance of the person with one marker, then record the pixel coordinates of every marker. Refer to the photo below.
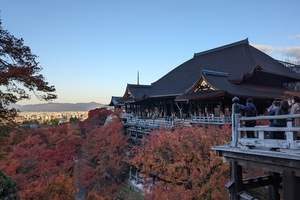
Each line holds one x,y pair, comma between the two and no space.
250,111
271,111
283,110
295,109
290,102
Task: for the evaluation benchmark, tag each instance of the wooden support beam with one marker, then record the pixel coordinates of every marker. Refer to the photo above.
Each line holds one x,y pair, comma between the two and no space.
257,182
273,189
290,185
236,179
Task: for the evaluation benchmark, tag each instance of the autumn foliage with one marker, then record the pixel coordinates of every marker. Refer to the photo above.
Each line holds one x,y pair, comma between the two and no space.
43,164
104,150
48,163
96,118
290,94
183,164
53,163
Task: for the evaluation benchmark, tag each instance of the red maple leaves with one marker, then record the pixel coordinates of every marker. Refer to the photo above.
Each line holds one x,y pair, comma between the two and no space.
49,163
183,164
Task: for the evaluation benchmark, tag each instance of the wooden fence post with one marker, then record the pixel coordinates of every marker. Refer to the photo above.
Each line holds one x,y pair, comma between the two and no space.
290,136
235,116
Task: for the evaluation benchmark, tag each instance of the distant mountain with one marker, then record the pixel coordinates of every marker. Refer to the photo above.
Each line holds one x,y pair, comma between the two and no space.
58,107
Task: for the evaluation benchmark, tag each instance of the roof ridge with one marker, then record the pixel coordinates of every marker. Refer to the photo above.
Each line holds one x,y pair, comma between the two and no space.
245,41
138,85
212,72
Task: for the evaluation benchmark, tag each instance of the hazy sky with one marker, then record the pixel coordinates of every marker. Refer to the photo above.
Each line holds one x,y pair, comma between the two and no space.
91,49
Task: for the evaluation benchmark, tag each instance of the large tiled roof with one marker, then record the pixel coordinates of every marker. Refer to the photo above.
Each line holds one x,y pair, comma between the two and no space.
138,92
227,88
237,60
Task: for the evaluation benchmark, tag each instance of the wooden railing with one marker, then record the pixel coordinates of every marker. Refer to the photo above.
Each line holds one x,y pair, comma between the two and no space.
192,120
154,123
262,140
210,120
126,115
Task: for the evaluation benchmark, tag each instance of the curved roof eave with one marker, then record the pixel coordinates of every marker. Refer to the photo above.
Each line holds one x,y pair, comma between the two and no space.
201,95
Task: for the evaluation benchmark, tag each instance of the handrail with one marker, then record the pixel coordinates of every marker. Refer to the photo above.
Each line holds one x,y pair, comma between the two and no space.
210,120
154,123
262,140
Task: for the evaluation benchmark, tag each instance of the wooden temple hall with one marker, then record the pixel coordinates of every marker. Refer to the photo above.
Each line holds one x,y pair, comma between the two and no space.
206,84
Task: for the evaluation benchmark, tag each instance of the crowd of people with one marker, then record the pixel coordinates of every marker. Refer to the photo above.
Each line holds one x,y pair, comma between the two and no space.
283,107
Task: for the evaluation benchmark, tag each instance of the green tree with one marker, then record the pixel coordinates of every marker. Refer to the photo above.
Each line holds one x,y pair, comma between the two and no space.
52,122
73,120
7,185
19,75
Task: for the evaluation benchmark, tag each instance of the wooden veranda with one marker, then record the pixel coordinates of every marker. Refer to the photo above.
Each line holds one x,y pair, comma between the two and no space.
281,158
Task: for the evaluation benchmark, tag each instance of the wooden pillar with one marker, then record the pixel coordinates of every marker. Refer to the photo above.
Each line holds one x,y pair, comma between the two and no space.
237,180
195,108
290,185
273,190
297,183
130,173
190,108
152,109
165,109
221,108
181,110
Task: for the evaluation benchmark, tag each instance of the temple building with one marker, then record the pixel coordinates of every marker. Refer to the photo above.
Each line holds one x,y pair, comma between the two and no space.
206,84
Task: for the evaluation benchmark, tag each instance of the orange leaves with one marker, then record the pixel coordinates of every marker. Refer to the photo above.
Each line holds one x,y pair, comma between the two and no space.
92,195
183,162
96,117
43,163
289,94
46,162
56,187
104,150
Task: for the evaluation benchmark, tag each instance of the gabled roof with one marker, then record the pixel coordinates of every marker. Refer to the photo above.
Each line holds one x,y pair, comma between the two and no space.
223,87
238,59
114,101
135,92
226,68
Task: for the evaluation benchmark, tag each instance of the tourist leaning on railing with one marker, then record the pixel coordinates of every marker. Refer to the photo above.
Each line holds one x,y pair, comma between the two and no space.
283,110
250,111
271,111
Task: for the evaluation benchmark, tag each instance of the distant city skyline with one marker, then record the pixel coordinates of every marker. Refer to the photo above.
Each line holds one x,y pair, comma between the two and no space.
90,50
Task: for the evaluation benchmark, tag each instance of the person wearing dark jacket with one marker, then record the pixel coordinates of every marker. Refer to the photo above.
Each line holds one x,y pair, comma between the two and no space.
272,111
284,110
250,111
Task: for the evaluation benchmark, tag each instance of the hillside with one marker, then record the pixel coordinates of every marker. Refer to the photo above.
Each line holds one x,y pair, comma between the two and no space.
57,107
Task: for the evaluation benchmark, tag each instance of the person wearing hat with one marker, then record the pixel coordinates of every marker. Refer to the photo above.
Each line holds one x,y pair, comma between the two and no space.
250,111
